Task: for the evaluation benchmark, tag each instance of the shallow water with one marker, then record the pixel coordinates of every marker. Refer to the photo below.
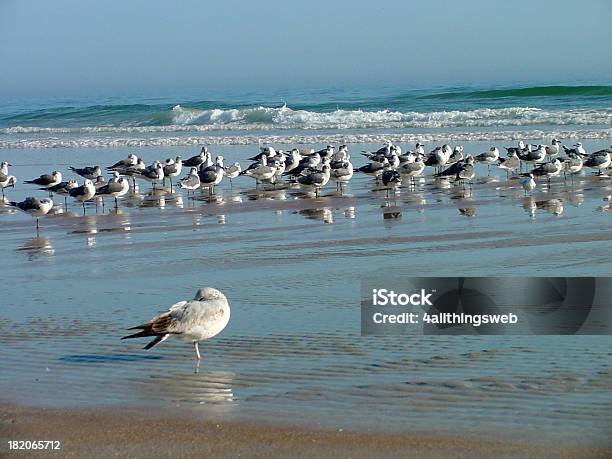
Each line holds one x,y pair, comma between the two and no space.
291,266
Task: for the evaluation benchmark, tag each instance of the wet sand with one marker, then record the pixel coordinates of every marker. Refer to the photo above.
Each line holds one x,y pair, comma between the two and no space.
139,433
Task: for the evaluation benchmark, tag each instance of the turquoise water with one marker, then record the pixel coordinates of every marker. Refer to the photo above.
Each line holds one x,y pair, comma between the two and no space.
468,113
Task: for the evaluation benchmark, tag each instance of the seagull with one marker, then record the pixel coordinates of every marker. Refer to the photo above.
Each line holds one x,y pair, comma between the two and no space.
192,181
196,160
212,176
532,156
466,170
89,172
457,155
101,181
233,171
391,178
552,150
598,161
488,157
528,184
84,192
341,172
375,168
117,188
412,169
63,188
578,149
548,170
4,167
153,174
326,152
450,171
521,148
316,179
7,181
34,207
268,152
131,160
572,164
386,150
511,163
293,160
46,181
132,171
193,320
173,168
306,163
437,158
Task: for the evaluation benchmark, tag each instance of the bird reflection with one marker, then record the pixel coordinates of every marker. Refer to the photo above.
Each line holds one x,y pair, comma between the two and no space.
38,246
323,214
207,387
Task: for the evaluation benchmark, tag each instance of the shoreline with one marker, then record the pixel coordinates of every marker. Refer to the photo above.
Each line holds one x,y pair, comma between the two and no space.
132,432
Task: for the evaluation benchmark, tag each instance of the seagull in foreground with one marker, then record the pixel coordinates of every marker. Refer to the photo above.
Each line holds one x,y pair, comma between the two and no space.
116,189
84,192
34,207
193,320
192,181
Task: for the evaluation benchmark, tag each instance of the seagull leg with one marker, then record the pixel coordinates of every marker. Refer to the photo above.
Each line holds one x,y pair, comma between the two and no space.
83,202
116,204
197,351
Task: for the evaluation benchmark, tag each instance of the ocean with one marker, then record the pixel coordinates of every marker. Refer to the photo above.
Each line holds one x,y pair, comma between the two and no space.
309,116
292,264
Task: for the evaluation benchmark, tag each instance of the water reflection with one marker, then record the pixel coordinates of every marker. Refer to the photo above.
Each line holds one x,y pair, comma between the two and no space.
205,387
323,214
36,247
553,206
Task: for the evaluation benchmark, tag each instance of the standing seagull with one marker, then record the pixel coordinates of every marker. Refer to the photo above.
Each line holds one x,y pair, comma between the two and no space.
153,174
488,157
47,180
84,192
173,169
528,184
34,207
116,189
191,182
194,320
233,171
7,181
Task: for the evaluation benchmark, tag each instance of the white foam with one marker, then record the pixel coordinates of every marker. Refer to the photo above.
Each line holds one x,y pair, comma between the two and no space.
121,142
267,118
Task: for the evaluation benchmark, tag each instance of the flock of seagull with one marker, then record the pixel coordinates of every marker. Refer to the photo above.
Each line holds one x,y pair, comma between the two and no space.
310,169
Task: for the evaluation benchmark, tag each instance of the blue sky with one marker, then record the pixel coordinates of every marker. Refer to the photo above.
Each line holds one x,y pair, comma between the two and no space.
123,47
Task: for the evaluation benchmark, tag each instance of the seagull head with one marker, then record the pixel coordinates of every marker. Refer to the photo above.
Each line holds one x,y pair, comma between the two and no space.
208,293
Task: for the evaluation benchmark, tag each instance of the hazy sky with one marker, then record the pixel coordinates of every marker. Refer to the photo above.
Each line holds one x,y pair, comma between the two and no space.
162,46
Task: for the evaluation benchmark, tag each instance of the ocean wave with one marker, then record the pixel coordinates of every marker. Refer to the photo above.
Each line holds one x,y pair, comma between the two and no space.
300,139
184,119
532,91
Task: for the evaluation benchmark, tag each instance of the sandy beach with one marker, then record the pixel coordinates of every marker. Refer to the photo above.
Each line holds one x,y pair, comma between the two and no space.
138,433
